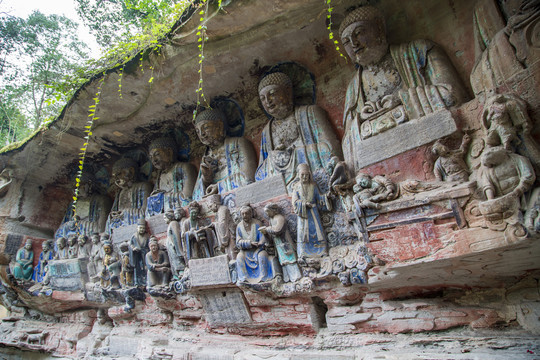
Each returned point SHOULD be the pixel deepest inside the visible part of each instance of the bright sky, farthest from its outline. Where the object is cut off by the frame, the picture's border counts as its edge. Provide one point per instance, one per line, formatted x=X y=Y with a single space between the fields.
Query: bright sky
x=22 y=8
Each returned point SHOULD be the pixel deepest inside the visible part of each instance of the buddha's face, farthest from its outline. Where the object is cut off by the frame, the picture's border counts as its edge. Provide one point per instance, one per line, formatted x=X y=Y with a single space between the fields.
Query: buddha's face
x=211 y=133
x=365 y=41
x=277 y=100
x=123 y=177
x=161 y=158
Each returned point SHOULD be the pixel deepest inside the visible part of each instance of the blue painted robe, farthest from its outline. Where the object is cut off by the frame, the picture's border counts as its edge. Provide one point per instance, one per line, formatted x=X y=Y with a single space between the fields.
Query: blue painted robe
x=253 y=264
x=311 y=239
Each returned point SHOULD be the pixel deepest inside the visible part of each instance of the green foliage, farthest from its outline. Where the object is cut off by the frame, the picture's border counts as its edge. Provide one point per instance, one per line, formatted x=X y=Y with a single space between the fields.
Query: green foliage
x=331 y=35
x=201 y=39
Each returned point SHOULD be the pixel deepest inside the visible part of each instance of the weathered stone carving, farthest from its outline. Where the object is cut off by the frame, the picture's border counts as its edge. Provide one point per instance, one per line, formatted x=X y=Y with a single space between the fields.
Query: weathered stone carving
x=224 y=227
x=369 y=190
x=294 y=135
x=504 y=177
x=130 y=202
x=138 y=247
x=409 y=81
x=95 y=261
x=157 y=263
x=307 y=201
x=93 y=208
x=450 y=165
x=198 y=238
x=6 y=179
x=61 y=249
x=349 y=263
x=174 y=180
x=83 y=246
x=253 y=263
x=23 y=266
x=508 y=124
x=279 y=233
x=228 y=163
x=111 y=267
x=174 y=243
x=46 y=255
x=126 y=274
x=73 y=247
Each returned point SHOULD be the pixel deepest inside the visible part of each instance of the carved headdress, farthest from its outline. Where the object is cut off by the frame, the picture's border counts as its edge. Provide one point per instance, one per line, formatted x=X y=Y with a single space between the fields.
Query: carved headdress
x=163 y=143
x=276 y=78
x=363 y=13
x=210 y=115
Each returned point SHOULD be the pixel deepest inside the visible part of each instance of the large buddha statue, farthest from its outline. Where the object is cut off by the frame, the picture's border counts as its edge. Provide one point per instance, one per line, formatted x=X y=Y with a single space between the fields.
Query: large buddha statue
x=130 y=202
x=174 y=181
x=392 y=85
x=294 y=134
x=92 y=210
x=228 y=163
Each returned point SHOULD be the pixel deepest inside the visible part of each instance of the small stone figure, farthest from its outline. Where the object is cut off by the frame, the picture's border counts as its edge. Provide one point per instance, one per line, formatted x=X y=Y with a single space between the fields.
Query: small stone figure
x=449 y=165
x=198 y=239
x=294 y=134
x=370 y=191
x=339 y=180
x=62 y=250
x=111 y=267
x=130 y=201
x=24 y=262
x=126 y=275
x=504 y=177
x=47 y=254
x=224 y=227
x=174 y=242
x=73 y=247
x=95 y=262
x=157 y=263
x=174 y=180
x=508 y=124
x=392 y=85
x=137 y=252
x=253 y=264
x=307 y=201
x=84 y=247
x=279 y=232
x=228 y=163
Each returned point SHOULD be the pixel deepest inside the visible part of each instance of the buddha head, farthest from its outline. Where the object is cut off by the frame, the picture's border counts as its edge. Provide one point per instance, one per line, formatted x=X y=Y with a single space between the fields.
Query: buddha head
x=210 y=125
x=162 y=152
x=363 y=35
x=124 y=172
x=276 y=94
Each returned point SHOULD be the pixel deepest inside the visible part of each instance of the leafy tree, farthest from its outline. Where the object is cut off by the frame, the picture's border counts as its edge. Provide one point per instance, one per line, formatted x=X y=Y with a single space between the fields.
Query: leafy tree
x=40 y=59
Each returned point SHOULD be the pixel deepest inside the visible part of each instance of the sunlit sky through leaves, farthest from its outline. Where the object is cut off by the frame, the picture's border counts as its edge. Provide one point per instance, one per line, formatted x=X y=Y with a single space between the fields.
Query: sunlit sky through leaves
x=22 y=8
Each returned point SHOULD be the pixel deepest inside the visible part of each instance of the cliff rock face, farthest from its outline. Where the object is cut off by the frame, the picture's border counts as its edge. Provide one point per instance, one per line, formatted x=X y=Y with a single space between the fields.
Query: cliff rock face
x=323 y=204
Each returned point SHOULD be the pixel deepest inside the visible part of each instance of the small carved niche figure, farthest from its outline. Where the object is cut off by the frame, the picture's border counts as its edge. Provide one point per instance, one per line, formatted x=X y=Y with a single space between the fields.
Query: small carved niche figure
x=339 y=180
x=47 y=254
x=111 y=267
x=508 y=124
x=224 y=227
x=23 y=267
x=449 y=165
x=198 y=239
x=138 y=247
x=73 y=247
x=253 y=264
x=307 y=201
x=174 y=242
x=279 y=232
x=95 y=262
x=84 y=247
x=370 y=191
x=157 y=263
x=61 y=249
x=126 y=275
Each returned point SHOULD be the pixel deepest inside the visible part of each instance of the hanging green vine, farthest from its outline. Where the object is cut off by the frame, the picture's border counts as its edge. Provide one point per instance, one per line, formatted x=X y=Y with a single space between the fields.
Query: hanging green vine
x=201 y=39
x=120 y=76
x=329 y=27
x=87 y=134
